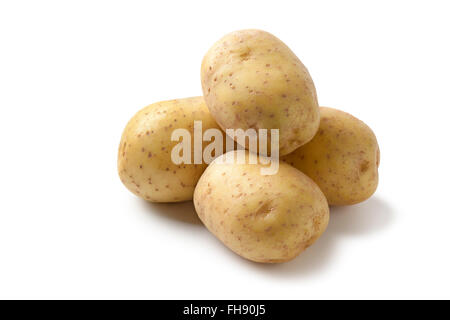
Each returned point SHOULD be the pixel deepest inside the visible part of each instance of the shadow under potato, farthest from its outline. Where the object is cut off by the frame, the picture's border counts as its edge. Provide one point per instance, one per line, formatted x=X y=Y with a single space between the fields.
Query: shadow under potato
x=363 y=218
x=180 y=211
x=357 y=220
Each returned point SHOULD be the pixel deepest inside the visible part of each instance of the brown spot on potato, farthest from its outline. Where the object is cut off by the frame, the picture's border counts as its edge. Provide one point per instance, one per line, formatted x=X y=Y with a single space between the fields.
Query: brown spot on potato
x=364 y=166
x=378 y=157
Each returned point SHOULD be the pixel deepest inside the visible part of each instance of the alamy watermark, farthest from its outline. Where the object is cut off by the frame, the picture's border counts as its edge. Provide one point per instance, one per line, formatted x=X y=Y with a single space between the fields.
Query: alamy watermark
x=256 y=142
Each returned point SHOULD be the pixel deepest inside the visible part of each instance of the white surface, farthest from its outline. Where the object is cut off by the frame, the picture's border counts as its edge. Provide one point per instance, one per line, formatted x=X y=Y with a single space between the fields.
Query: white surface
x=73 y=73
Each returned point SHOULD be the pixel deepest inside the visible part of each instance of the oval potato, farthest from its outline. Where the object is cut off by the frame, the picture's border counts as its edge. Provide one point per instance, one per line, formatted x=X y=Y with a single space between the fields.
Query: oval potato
x=251 y=79
x=343 y=158
x=270 y=218
x=144 y=161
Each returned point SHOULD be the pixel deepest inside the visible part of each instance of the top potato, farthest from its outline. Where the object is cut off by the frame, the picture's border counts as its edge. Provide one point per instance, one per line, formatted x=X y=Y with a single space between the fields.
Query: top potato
x=251 y=79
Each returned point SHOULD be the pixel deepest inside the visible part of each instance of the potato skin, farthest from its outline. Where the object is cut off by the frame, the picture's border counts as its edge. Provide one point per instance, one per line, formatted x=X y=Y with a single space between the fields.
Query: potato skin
x=267 y=219
x=343 y=158
x=144 y=161
x=251 y=79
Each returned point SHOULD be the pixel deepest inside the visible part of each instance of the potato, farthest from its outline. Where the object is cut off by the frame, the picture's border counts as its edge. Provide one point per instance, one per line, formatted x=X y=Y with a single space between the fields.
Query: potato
x=343 y=158
x=251 y=79
x=144 y=162
x=263 y=218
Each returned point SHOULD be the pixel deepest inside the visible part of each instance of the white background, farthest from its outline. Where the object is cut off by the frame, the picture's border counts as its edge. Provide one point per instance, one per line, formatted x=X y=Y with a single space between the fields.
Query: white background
x=72 y=73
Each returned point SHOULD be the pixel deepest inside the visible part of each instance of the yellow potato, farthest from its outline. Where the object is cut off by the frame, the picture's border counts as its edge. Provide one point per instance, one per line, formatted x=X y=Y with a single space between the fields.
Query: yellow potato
x=144 y=162
x=263 y=218
x=342 y=158
x=251 y=79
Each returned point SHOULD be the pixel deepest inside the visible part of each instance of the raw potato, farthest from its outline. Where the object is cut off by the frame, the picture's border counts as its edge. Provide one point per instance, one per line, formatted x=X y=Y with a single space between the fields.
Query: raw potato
x=342 y=158
x=144 y=161
x=251 y=79
x=270 y=218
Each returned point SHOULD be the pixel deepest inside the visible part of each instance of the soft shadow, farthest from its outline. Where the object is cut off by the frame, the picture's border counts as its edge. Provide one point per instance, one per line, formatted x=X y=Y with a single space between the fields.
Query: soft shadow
x=181 y=211
x=370 y=216
x=361 y=219
x=358 y=220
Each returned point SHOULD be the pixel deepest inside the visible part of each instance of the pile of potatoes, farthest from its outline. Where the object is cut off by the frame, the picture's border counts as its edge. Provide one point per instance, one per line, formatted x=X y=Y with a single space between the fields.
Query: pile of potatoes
x=250 y=79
